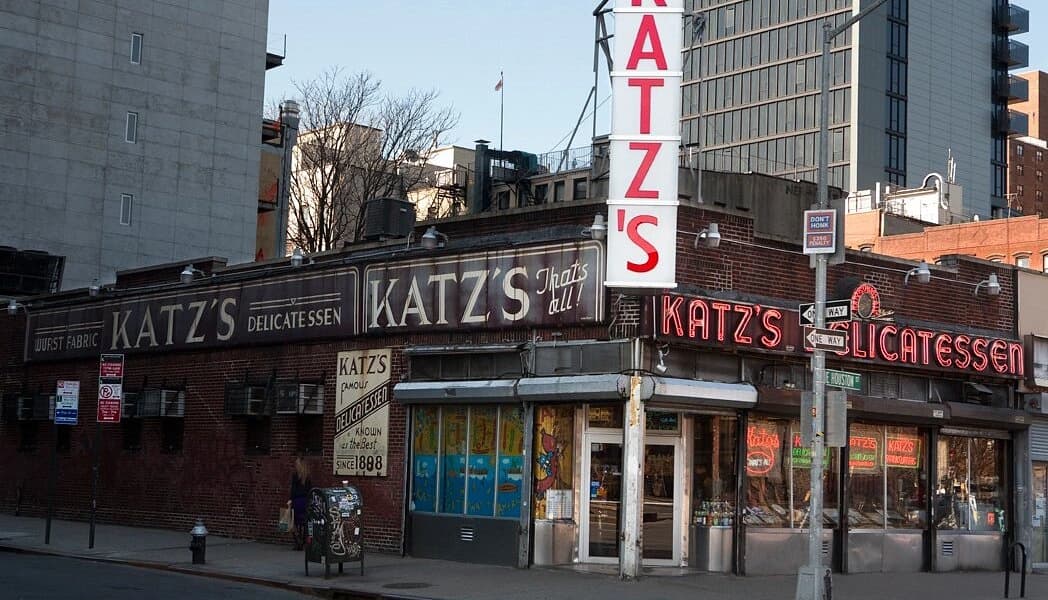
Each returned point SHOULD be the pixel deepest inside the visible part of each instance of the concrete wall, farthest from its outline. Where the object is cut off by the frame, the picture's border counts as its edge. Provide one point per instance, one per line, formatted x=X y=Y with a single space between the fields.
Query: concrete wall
x=948 y=104
x=66 y=86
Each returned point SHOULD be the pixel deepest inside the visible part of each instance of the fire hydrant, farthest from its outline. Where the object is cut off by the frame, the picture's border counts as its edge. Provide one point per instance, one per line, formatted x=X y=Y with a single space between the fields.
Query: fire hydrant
x=198 y=545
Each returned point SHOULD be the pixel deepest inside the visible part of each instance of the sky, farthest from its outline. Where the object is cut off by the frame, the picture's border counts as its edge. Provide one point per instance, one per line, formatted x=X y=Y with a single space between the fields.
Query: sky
x=459 y=47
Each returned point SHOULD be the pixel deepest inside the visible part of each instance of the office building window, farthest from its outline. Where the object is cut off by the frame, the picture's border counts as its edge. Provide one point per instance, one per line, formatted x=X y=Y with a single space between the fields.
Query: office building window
x=126 y=206
x=1018 y=149
x=1018 y=169
x=1019 y=190
x=136 y=48
x=1040 y=156
x=558 y=191
x=578 y=189
x=131 y=128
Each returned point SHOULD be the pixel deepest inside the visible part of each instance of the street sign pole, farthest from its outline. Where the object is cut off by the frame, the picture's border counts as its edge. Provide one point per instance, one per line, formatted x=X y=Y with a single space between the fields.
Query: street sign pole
x=94 y=483
x=52 y=478
x=812 y=579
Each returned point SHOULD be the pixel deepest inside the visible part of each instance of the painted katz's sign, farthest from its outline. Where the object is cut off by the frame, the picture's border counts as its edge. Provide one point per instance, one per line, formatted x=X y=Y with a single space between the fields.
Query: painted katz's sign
x=362 y=412
x=282 y=310
x=713 y=322
x=644 y=144
x=545 y=285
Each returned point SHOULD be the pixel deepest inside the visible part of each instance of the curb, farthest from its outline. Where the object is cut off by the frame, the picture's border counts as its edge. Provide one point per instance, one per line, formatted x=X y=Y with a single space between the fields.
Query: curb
x=329 y=592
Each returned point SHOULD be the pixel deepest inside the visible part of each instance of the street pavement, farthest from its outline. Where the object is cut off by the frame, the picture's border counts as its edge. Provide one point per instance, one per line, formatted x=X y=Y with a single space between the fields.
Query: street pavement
x=393 y=577
x=32 y=577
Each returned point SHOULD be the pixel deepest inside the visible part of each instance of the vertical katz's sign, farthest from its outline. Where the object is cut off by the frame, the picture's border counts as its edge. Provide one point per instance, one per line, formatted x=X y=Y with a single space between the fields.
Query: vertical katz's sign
x=362 y=413
x=645 y=137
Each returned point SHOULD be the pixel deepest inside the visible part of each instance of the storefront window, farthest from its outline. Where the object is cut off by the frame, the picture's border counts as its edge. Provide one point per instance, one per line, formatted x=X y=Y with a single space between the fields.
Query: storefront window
x=1039 y=554
x=714 y=478
x=467 y=460
x=970 y=492
x=554 y=461
x=511 y=462
x=778 y=468
x=886 y=475
x=453 y=492
x=608 y=416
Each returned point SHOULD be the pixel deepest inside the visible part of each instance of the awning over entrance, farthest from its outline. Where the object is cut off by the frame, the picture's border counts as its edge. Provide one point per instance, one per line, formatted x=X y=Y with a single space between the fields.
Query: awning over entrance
x=661 y=392
x=456 y=392
x=693 y=394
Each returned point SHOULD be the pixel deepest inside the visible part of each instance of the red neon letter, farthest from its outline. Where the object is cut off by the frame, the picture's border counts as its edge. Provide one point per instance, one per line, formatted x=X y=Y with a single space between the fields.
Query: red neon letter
x=645 y=84
x=960 y=345
x=650 y=149
x=744 y=321
x=979 y=351
x=647 y=30
x=722 y=308
x=771 y=320
x=1015 y=356
x=882 y=338
x=942 y=349
x=999 y=356
x=670 y=316
x=908 y=346
x=698 y=319
x=925 y=354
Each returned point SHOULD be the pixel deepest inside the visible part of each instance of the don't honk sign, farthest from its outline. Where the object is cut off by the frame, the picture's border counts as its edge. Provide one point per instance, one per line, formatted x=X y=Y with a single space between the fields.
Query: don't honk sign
x=645 y=137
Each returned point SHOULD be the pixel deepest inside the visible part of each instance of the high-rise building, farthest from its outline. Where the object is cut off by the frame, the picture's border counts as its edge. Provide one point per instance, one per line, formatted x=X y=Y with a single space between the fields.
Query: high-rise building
x=131 y=131
x=1027 y=154
x=910 y=84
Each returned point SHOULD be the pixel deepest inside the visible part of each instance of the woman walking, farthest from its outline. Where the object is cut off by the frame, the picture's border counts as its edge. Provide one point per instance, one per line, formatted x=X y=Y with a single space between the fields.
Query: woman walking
x=300 y=487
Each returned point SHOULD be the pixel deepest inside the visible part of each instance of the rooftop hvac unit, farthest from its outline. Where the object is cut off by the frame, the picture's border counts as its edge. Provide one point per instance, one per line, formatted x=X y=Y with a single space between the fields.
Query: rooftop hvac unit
x=388 y=218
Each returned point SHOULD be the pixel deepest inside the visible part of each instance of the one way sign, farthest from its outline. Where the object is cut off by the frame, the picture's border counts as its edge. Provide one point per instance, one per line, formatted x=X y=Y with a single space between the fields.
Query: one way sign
x=836 y=312
x=833 y=340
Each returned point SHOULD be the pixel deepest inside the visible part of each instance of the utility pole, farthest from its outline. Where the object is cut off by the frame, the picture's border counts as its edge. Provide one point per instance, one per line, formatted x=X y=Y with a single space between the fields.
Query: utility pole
x=812 y=579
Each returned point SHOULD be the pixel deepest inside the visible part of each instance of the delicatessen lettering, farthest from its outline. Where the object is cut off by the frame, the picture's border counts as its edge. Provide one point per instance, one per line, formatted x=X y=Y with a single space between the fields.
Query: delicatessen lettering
x=735 y=324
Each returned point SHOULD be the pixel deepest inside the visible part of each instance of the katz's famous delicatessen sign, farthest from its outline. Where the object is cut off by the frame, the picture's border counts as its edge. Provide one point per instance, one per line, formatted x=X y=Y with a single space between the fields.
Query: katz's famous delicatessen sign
x=551 y=284
x=738 y=325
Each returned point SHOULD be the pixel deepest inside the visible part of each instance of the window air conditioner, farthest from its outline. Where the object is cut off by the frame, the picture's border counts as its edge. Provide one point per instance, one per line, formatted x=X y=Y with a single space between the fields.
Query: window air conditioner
x=172 y=403
x=287 y=398
x=129 y=405
x=311 y=399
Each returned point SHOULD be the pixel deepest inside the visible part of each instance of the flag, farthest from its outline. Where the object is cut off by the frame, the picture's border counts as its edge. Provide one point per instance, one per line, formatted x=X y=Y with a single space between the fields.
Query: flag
x=498 y=86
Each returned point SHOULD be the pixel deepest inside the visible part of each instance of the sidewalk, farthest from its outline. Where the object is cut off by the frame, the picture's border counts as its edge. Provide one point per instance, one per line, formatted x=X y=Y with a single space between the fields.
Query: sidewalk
x=393 y=577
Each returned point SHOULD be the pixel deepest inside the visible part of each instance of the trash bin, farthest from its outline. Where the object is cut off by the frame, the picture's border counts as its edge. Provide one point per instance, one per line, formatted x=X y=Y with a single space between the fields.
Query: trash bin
x=335 y=528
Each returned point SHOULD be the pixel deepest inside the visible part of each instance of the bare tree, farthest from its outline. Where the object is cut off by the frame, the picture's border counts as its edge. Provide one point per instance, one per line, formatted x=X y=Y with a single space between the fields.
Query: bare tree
x=356 y=142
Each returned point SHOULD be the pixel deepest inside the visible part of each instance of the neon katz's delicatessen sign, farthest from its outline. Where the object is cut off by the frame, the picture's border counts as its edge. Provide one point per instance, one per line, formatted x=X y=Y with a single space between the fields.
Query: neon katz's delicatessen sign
x=724 y=323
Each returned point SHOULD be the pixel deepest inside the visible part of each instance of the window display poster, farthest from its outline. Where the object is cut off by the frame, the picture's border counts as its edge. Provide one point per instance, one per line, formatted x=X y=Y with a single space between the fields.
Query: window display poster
x=362 y=413
x=453 y=497
x=763 y=448
x=424 y=458
x=511 y=462
x=800 y=455
x=863 y=453
x=553 y=456
x=481 y=474
x=903 y=451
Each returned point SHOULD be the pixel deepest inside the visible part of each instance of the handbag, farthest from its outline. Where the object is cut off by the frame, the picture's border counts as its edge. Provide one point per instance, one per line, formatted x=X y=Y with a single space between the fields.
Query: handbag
x=287 y=517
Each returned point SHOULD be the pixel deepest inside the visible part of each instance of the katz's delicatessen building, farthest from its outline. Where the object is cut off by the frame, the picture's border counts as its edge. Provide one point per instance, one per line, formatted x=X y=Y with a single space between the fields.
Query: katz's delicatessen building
x=475 y=394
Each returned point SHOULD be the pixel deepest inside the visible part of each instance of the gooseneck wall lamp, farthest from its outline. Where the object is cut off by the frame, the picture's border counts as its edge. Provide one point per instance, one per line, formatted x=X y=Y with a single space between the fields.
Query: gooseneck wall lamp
x=599 y=229
x=993 y=287
x=709 y=236
x=433 y=239
x=921 y=272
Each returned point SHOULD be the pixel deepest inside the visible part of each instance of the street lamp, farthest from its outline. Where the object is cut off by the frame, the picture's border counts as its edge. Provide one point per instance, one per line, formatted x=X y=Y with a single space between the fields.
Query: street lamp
x=289 y=119
x=811 y=577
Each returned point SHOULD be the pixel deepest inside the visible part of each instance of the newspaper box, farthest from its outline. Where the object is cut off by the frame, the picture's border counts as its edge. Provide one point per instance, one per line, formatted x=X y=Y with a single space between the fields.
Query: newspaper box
x=334 y=528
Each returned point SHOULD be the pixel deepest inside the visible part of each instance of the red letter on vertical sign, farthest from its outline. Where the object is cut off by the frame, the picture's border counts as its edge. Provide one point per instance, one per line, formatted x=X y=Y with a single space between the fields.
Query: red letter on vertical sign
x=645 y=84
x=647 y=31
x=657 y=2
x=638 y=239
x=650 y=149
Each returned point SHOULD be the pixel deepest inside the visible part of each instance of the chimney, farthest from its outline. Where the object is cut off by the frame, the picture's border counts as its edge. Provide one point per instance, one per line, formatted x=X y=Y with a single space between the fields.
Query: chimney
x=479 y=198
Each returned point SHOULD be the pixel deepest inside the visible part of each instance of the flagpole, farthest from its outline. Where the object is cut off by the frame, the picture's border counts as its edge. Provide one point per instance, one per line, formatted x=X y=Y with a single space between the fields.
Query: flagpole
x=502 y=105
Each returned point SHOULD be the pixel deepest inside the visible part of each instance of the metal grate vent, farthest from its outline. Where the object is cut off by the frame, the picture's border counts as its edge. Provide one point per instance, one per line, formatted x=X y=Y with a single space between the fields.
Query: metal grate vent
x=466 y=534
x=947 y=548
x=825 y=547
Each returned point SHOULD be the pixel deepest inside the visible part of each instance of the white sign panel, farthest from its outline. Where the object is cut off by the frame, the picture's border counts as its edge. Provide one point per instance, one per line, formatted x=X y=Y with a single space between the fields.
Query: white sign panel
x=362 y=413
x=820 y=231
x=67 y=402
x=645 y=138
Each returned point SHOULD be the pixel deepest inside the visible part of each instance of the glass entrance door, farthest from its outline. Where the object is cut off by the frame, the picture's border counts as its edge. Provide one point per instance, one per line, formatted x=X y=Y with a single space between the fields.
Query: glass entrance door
x=661 y=533
x=604 y=464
